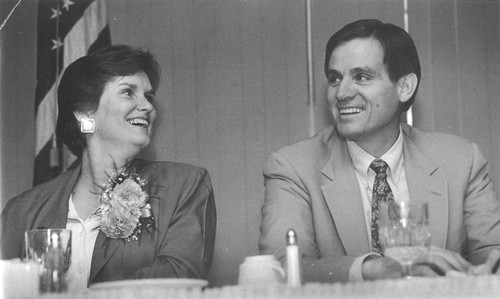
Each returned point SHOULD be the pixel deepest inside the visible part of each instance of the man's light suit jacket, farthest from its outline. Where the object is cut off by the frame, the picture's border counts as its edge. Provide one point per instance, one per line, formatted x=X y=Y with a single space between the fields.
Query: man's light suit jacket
x=182 y=202
x=311 y=186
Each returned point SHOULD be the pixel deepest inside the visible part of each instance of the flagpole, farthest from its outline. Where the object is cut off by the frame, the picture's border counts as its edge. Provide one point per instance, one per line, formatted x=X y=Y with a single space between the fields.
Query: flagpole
x=409 y=113
x=74 y=33
x=54 y=159
x=310 y=74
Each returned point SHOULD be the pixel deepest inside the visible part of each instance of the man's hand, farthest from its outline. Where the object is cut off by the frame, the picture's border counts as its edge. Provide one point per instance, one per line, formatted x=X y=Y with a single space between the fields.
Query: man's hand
x=439 y=261
x=493 y=261
x=381 y=267
x=436 y=262
x=490 y=266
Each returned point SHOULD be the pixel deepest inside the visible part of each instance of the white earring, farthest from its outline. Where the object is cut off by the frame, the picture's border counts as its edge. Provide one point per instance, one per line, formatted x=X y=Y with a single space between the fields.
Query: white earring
x=87 y=125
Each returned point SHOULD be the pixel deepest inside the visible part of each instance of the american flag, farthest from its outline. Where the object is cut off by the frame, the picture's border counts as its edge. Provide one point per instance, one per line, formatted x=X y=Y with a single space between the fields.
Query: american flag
x=67 y=30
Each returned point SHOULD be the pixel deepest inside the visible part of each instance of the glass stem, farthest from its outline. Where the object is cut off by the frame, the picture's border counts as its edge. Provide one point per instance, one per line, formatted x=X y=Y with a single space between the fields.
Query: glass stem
x=407 y=270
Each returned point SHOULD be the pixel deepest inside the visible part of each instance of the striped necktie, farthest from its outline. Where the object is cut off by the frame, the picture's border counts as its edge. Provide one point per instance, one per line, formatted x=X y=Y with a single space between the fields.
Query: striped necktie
x=381 y=193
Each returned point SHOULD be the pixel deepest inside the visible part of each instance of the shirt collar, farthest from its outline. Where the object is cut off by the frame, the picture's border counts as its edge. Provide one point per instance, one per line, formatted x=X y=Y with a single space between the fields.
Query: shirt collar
x=393 y=157
x=72 y=214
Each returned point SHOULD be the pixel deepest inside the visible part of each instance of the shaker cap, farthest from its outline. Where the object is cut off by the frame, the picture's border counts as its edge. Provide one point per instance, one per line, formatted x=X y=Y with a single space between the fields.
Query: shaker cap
x=291 y=237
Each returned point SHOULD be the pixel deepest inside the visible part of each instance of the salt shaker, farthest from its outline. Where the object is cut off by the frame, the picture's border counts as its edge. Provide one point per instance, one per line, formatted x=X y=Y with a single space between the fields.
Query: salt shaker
x=293 y=262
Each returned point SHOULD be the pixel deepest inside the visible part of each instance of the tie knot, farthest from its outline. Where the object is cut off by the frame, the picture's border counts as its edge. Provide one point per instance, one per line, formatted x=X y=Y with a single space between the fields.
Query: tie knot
x=379 y=166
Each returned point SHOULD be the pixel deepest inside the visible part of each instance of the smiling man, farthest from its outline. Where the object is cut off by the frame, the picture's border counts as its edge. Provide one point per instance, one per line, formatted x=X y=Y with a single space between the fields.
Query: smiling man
x=323 y=187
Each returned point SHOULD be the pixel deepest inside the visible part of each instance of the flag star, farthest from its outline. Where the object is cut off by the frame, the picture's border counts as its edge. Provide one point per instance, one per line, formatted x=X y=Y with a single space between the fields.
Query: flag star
x=55 y=13
x=56 y=44
x=67 y=3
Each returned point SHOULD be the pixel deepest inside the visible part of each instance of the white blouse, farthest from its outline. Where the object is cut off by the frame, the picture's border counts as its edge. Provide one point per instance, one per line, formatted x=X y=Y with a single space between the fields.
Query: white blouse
x=83 y=237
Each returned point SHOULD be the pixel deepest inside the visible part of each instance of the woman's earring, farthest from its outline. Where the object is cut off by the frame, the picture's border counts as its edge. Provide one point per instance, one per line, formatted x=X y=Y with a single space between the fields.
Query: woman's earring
x=87 y=125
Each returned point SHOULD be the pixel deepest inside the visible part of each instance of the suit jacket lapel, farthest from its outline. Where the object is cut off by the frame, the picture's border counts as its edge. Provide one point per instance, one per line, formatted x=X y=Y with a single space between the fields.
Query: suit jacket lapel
x=426 y=185
x=342 y=194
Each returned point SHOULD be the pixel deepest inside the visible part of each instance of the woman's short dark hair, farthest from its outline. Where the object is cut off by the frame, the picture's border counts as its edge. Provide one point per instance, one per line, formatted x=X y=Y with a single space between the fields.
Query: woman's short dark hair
x=83 y=82
x=400 y=52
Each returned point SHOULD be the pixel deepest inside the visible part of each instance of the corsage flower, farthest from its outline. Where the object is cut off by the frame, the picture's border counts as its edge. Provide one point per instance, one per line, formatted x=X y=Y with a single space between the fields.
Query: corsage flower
x=124 y=211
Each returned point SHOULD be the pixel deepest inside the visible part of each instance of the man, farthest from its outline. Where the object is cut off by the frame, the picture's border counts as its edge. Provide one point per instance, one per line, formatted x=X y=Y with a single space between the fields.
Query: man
x=322 y=187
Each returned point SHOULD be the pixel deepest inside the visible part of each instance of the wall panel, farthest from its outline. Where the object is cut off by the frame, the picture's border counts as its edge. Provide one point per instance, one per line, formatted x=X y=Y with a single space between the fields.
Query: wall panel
x=458 y=44
x=17 y=94
x=420 y=28
x=493 y=57
x=230 y=171
x=473 y=72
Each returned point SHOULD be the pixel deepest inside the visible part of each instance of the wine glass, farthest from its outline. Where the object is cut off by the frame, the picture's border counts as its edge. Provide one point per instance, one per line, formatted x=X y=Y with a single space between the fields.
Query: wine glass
x=51 y=249
x=404 y=232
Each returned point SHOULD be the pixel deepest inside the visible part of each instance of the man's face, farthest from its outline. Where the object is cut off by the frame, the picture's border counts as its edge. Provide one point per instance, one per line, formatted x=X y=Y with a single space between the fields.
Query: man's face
x=364 y=102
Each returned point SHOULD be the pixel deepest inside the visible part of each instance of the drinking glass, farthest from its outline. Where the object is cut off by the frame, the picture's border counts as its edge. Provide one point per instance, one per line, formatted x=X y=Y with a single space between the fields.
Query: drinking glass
x=51 y=249
x=404 y=232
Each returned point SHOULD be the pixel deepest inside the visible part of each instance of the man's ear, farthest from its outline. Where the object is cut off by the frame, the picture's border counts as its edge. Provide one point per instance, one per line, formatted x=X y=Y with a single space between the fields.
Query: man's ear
x=407 y=86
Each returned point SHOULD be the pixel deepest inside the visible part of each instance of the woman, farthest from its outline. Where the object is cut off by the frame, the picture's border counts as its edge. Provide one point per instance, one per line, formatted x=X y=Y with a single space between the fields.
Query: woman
x=130 y=218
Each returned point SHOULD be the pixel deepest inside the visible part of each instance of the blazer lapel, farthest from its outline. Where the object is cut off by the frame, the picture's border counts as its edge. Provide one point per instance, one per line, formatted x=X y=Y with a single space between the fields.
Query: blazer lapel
x=426 y=185
x=104 y=248
x=57 y=200
x=342 y=194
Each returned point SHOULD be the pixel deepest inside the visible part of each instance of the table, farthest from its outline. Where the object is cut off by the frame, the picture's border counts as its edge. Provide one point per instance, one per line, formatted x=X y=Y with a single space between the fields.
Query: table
x=439 y=287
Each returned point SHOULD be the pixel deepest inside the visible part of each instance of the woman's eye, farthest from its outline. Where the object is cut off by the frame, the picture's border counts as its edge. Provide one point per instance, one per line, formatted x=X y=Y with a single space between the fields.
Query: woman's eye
x=127 y=92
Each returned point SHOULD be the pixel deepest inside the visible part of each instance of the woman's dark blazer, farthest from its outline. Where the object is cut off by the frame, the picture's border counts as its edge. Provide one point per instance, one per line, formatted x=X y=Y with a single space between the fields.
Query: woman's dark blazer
x=182 y=202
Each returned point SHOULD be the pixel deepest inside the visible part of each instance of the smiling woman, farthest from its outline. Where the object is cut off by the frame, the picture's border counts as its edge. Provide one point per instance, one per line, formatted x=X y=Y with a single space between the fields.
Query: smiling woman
x=125 y=115
x=130 y=218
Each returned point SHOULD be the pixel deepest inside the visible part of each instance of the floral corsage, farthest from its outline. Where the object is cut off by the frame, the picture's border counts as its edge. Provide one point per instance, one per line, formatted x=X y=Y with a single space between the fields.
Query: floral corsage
x=124 y=210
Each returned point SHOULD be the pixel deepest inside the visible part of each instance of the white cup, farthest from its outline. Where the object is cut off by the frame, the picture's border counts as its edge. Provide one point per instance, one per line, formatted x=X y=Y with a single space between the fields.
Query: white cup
x=261 y=270
x=19 y=279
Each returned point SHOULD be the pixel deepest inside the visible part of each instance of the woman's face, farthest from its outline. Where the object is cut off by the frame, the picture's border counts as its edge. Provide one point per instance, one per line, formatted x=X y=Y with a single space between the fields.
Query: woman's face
x=125 y=114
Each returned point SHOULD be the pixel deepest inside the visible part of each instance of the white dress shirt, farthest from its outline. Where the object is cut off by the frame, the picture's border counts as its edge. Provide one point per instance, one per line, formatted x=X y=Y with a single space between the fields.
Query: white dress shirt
x=83 y=237
x=396 y=177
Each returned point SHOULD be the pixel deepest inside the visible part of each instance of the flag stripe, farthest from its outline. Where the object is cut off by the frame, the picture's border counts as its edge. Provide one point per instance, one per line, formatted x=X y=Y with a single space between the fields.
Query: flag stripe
x=82 y=26
x=73 y=49
x=43 y=170
x=46 y=118
x=103 y=40
x=46 y=59
x=47 y=24
x=85 y=32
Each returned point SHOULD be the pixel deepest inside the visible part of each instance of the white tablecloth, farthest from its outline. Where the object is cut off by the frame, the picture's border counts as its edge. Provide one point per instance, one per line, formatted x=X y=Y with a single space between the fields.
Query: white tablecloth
x=441 y=287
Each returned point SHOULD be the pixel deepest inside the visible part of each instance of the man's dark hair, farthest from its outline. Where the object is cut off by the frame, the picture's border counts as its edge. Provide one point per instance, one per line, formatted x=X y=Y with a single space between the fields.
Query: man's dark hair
x=83 y=82
x=400 y=53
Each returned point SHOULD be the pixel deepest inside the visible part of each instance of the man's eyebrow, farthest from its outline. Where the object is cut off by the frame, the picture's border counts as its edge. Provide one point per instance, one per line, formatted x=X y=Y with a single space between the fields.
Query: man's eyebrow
x=365 y=69
x=332 y=72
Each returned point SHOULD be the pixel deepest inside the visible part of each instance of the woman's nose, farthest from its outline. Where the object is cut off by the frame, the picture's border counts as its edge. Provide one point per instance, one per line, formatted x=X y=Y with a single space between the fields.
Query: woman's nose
x=145 y=104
